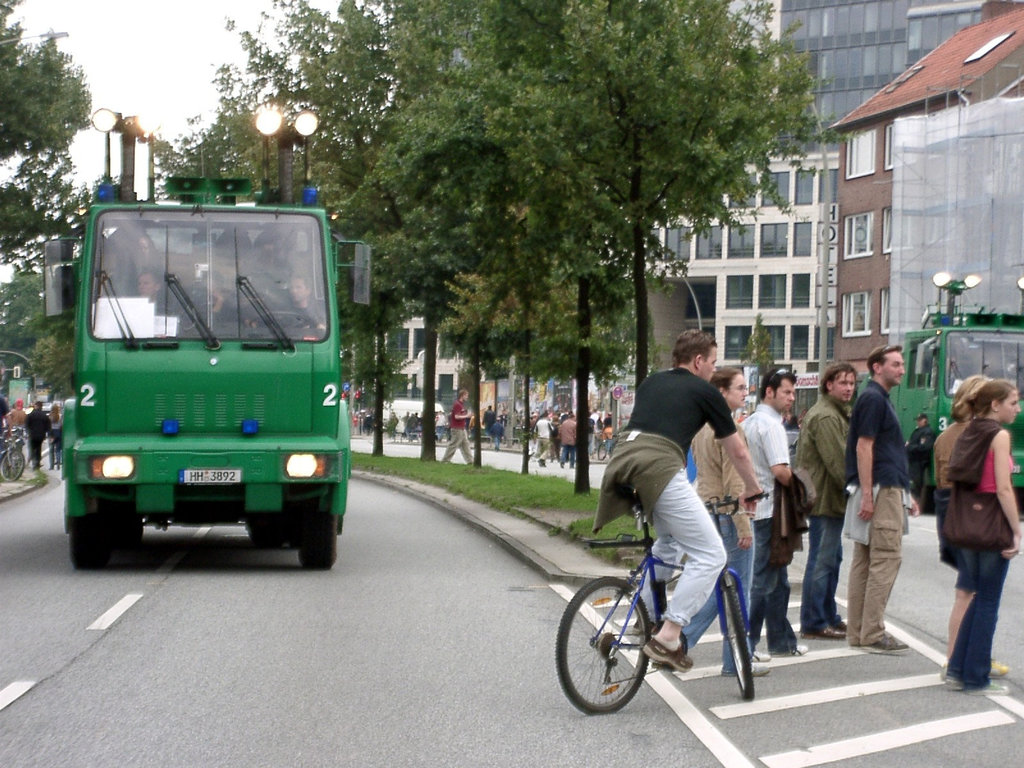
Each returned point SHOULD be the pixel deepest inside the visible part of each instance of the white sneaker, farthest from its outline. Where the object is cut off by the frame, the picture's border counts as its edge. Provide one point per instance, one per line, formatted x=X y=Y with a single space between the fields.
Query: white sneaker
x=762 y=656
x=756 y=670
x=800 y=650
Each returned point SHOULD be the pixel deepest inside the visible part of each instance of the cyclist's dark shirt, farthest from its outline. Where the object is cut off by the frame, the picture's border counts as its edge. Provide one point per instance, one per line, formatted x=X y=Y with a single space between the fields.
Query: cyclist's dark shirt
x=676 y=404
x=4 y=408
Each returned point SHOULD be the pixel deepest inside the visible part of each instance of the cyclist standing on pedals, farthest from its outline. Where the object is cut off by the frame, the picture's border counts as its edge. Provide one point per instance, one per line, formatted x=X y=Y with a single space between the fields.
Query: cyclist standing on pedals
x=670 y=408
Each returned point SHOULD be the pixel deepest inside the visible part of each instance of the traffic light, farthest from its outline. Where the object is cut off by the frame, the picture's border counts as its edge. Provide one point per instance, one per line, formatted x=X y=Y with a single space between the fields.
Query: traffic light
x=17 y=372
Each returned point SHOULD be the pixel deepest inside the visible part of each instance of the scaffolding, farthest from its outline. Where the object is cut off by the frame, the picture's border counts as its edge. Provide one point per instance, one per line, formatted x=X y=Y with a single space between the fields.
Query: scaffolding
x=957 y=206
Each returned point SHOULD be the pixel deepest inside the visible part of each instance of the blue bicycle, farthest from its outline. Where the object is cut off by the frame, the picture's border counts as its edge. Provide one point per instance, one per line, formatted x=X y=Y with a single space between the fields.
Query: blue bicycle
x=598 y=649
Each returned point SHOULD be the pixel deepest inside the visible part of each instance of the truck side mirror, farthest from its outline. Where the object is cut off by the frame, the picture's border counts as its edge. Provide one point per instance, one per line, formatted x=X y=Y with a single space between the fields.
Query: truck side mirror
x=59 y=275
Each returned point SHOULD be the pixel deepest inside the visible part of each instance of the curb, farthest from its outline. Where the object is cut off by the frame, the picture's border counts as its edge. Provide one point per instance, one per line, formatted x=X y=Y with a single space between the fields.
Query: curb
x=530 y=540
x=7 y=493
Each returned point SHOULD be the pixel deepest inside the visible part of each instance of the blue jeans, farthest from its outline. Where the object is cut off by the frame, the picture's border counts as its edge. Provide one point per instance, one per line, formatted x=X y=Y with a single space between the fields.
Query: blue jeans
x=769 y=596
x=741 y=561
x=972 y=654
x=821 y=577
x=569 y=454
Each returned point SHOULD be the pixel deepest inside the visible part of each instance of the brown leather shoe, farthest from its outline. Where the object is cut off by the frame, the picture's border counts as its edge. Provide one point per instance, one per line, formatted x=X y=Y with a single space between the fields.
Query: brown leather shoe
x=828 y=633
x=677 y=659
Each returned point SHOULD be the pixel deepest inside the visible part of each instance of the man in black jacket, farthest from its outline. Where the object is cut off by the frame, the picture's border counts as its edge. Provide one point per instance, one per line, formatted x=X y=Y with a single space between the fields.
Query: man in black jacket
x=37 y=424
x=919 y=454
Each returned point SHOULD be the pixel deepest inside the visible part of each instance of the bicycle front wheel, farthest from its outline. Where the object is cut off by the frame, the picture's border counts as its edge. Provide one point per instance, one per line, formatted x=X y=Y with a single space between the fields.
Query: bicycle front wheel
x=736 y=635
x=597 y=652
x=12 y=465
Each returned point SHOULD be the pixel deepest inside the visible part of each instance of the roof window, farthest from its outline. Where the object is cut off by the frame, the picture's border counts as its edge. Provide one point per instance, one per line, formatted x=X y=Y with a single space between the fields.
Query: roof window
x=987 y=47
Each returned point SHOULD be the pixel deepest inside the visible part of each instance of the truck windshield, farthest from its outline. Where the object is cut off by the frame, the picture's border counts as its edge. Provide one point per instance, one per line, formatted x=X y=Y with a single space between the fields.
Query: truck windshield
x=992 y=354
x=138 y=255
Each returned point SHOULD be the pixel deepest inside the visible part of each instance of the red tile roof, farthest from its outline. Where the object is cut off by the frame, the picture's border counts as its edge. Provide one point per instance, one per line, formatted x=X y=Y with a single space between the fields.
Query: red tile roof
x=944 y=69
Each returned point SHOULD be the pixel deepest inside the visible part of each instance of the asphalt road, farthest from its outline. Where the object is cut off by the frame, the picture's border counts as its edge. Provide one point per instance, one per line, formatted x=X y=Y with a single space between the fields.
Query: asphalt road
x=429 y=644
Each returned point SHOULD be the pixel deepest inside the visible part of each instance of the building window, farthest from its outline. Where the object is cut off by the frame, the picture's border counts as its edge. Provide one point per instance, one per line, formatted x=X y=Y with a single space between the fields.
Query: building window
x=856 y=313
x=801 y=291
x=709 y=246
x=798 y=342
x=736 y=338
x=883 y=310
x=804 y=187
x=860 y=155
x=774 y=241
x=419 y=341
x=802 y=232
x=858 y=235
x=887 y=149
x=887 y=230
x=772 y=292
x=749 y=202
x=677 y=243
x=780 y=181
x=400 y=343
x=739 y=292
x=776 y=341
x=741 y=242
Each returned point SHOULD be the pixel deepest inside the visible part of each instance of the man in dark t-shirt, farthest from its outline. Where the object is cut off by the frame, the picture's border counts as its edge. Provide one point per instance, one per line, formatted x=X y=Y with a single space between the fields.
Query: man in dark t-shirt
x=675 y=404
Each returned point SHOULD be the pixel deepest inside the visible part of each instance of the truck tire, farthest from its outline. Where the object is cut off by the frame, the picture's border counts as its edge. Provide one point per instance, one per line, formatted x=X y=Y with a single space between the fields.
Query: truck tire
x=89 y=541
x=319 y=546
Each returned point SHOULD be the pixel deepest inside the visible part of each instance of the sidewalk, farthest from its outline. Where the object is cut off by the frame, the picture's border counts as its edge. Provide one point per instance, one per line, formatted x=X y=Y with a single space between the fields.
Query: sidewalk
x=12 y=489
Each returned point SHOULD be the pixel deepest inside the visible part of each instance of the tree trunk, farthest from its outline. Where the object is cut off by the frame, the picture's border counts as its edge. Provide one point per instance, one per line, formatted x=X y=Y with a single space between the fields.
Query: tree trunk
x=582 y=385
x=474 y=398
x=527 y=427
x=640 y=300
x=379 y=350
x=428 y=417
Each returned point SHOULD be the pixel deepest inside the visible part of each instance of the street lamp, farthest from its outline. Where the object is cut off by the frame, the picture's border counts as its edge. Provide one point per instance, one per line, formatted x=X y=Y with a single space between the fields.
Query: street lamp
x=270 y=122
x=106 y=120
x=944 y=282
x=1020 y=286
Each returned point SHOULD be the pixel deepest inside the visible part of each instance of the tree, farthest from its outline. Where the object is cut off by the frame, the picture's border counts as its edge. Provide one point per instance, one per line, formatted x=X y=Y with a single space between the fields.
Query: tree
x=45 y=103
x=647 y=113
x=759 y=347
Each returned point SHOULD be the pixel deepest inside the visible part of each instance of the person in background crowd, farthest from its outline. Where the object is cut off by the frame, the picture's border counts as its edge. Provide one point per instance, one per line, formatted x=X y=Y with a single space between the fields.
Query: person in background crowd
x=459 y=423
x=16 y=418
x=543 y=430
x=821 y=451
x=985 y=571
x=919 y=455
x=37 y=424
x=567 y=439
x=56 y=437
x=876 y=461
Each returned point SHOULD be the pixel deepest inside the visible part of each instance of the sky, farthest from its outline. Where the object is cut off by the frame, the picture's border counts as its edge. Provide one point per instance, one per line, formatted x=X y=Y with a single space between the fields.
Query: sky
x=145 y=59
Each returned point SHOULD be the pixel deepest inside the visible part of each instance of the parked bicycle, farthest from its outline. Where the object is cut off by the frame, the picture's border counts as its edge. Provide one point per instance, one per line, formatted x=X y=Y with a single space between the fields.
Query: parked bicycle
x=606 y=624
x=12 y=454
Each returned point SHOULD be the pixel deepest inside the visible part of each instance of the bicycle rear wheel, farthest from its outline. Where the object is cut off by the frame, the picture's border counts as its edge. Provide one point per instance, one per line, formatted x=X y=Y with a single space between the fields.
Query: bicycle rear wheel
x=736 y=634
x=600 y=666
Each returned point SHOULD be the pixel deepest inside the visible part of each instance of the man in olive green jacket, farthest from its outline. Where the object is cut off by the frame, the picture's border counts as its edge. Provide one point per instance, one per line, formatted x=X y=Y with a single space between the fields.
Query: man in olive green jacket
x=821 y=450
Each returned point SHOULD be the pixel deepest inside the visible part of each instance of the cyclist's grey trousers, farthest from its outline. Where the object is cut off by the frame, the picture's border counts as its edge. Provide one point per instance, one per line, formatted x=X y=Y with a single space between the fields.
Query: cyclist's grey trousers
x=685 y=528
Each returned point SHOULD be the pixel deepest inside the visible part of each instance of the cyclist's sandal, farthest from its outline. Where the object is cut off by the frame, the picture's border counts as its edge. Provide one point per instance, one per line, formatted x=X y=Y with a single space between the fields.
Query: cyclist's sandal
x=677 y=659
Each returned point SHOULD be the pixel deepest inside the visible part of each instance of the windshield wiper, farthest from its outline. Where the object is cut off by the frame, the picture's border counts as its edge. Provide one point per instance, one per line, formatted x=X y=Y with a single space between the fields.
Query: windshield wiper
x=123 y=326
x=245 y=287
x=190 y=309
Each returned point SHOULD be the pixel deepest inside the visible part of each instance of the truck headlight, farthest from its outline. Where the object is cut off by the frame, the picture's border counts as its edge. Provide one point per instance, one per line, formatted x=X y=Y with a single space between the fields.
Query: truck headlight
x=305 y=465
x=111 y=467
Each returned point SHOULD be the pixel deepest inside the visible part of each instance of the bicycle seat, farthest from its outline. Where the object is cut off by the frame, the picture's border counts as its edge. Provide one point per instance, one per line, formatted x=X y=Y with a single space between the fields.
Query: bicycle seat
x=627 y=492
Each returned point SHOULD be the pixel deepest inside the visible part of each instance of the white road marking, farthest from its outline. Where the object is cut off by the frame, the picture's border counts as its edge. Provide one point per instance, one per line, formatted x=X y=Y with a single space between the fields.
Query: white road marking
x=886 y=740
x=811 y=698
x=14 y=691
x=115 y=612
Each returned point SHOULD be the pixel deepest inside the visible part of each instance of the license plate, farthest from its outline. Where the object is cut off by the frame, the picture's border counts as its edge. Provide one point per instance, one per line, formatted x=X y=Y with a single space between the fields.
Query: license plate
x=209 y=476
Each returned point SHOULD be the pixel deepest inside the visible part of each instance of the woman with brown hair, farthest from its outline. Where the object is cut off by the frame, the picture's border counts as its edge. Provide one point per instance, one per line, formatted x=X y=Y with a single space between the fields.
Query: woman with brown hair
x=983 y=571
